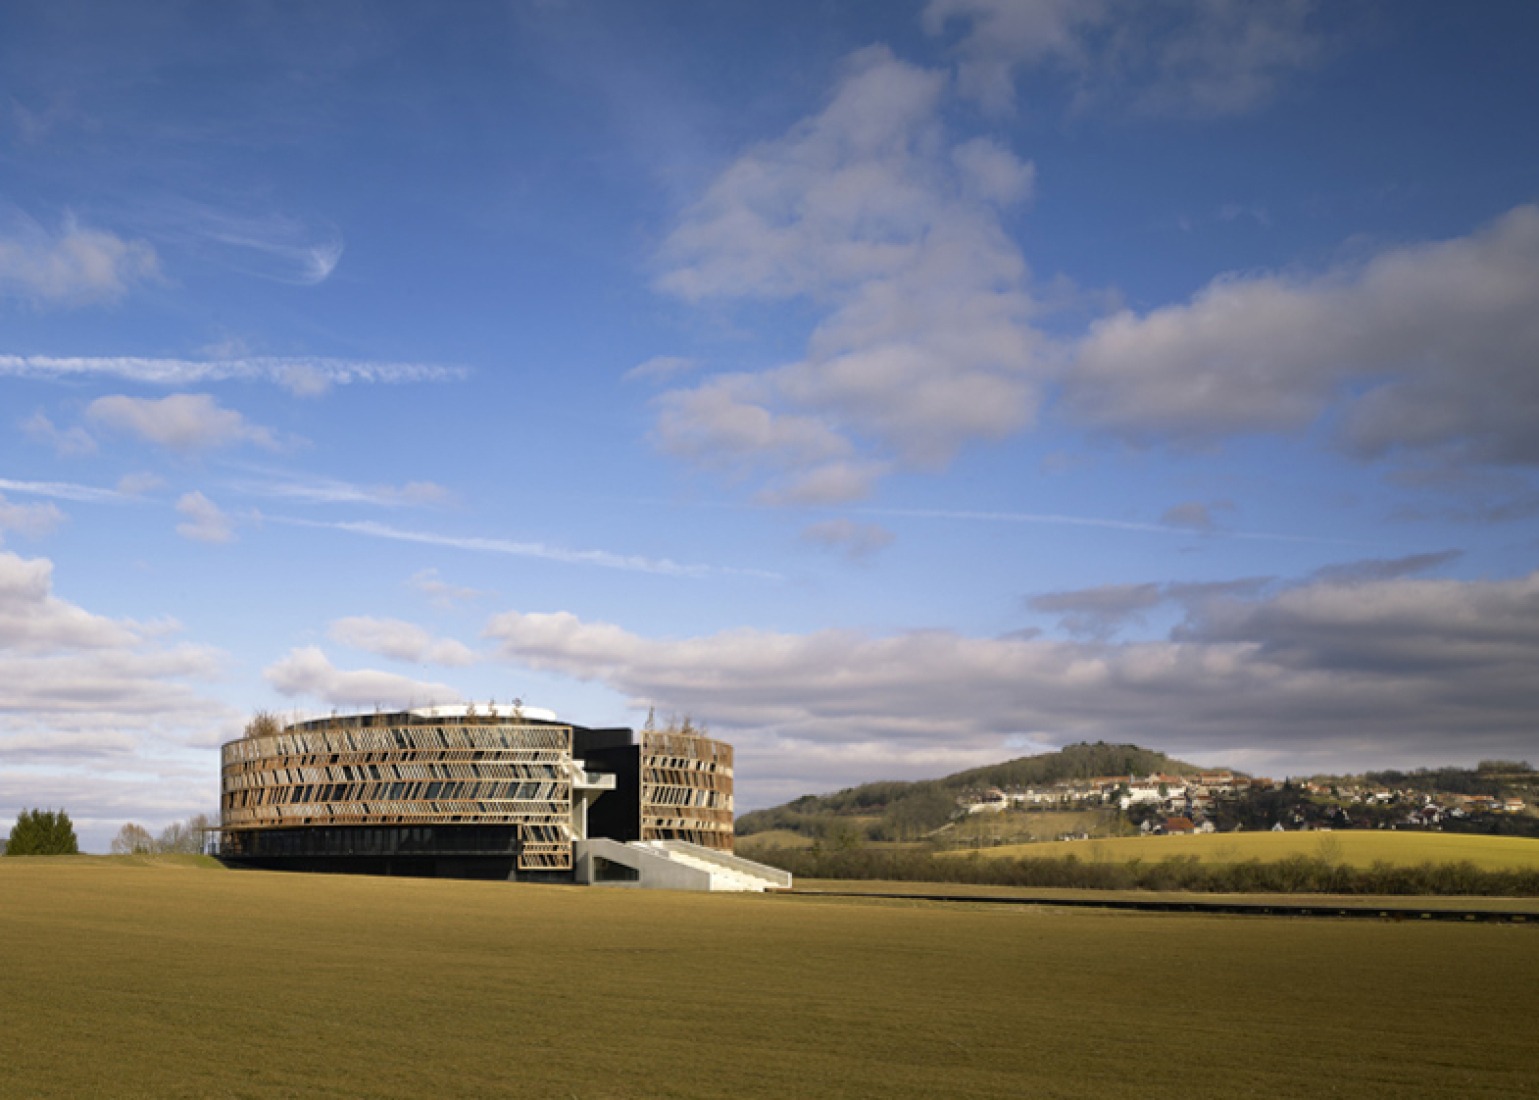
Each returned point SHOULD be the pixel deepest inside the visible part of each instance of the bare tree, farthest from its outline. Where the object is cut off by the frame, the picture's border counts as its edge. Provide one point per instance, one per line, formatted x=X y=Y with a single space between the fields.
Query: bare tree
x=264 y=723
x=133 y=840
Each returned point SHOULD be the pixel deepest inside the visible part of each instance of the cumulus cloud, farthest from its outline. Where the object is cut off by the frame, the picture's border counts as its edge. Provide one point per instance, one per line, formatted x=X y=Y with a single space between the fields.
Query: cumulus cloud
x=205 y=521
x=855 y=540
x=183 y=421
x=307 y=672
x=33 y=621
x=1398 y=671
x=1425 y=348
x=892 y=232
x=400 y=641
x=66 y=442
x=33 y=520
x=1192 y=57
x=75 y=266
x=80 y=685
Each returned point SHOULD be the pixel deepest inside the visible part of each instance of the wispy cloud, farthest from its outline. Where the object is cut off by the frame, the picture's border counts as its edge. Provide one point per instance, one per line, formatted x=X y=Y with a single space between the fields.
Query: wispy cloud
x=439 y=591
x=260 y=242
x=602 y=558
x=1060 y=520
x=660 y=366
x=326 y=490
x=63 y=490
x=305 y=375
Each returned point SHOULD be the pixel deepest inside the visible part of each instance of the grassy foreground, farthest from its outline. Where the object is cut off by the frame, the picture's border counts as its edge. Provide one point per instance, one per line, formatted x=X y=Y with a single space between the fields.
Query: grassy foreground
x=165 y=980
x=1353 y=847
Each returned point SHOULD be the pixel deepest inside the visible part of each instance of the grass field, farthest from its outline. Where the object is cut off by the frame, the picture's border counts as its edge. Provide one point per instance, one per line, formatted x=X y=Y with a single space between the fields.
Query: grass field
x=1359 y=848
x=170 y=980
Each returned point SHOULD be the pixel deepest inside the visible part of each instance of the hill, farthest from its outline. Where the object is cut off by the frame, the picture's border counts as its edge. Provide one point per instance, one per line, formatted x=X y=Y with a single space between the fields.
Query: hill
x=899 y=810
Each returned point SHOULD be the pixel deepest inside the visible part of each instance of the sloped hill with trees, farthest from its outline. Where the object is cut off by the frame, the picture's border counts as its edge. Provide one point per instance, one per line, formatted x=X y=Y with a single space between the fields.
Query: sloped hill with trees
x=909 y=809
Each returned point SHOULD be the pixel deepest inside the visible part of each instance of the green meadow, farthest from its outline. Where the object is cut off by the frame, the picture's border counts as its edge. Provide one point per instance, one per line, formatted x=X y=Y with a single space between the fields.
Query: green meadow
x=1357 y=848
x=173 y=979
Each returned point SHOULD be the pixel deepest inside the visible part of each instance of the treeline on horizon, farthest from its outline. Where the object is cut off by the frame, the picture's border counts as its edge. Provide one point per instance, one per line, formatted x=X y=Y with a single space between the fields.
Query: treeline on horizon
x=910 y=809
x=1296 y=874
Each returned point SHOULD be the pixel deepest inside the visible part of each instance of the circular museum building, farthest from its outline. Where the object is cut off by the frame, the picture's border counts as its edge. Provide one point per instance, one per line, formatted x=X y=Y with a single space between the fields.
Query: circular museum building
x=500 y=792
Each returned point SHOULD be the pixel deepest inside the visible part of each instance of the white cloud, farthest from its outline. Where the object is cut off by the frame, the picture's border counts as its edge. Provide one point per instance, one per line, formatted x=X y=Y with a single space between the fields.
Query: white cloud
x=307 y=672
x=66 y=442
x=205 y=521
x=33 y=520
x=869 y=213
x=33 y=621
x=94 y=696
x=1426 y=347
x=1191 y=57
x=1395 y=671
x=304 y=375
x=183 y=421
x=75 y=266
x=400 y=641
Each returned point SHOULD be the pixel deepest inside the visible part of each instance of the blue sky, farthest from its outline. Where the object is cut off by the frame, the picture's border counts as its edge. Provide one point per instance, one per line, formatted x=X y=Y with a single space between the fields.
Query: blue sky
x=891 y=387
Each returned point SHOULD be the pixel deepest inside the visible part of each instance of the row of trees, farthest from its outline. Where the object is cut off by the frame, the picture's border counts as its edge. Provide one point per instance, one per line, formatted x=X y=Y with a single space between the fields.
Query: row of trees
x=52 y=833
x=184 y=837
x=42 y=833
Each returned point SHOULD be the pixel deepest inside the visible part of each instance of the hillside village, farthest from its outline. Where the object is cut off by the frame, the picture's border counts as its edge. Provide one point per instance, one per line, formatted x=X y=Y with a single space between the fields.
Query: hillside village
x=1106 y=789
x=1210 y=801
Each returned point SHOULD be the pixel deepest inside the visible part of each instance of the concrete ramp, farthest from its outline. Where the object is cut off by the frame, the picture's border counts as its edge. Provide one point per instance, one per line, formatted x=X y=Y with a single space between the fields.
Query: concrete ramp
x=670 y=865
x=602 y=862
x=727 y=871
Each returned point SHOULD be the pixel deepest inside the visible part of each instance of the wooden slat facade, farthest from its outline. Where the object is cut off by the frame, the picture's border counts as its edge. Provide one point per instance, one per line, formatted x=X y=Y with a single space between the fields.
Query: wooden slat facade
x=686 y=789
x=448 y=773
